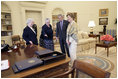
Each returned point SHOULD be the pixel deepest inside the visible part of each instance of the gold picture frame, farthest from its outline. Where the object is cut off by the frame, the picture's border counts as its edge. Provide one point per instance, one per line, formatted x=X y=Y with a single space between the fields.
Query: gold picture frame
x=103 y=12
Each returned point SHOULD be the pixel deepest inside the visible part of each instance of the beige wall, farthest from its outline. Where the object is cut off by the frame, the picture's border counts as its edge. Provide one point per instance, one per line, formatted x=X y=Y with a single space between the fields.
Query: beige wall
x=18 y=10
x=18 y=15
x=87 y=10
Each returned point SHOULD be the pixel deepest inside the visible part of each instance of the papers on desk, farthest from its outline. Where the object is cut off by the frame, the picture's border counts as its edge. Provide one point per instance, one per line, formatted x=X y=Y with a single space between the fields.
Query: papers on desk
x=4 y=64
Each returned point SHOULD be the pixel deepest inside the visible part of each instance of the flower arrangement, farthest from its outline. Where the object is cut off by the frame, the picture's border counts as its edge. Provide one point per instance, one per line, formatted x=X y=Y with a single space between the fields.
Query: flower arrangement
x=107 y=38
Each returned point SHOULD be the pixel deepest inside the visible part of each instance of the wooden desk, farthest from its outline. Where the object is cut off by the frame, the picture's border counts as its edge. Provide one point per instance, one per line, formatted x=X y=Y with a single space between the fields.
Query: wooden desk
x=101 y=44
x=44 y=71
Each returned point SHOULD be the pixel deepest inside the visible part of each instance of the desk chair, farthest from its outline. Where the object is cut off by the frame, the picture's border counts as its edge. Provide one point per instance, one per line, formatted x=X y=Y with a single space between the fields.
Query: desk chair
x=86 y=68
x=16 y=40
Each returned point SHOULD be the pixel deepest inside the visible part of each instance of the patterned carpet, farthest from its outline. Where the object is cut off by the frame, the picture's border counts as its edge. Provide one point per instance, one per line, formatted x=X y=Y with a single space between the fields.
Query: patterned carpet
x=107 y=63
x=98 y=61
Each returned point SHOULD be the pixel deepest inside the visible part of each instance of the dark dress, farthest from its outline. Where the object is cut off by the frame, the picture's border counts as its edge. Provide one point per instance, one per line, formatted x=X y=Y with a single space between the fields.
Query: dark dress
x=47 y=42
x=29 y=35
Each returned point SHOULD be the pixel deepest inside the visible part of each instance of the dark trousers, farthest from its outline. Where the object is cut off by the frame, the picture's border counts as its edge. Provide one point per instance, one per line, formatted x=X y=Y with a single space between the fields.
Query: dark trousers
x=64 y=45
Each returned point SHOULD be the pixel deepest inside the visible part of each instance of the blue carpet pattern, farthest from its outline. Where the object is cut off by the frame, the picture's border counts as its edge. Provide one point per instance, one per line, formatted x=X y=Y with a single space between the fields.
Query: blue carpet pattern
x=98 y=61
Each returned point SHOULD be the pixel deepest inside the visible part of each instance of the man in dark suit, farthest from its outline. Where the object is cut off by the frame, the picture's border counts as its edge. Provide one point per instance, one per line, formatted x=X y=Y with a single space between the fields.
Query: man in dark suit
x=29 y=35
x=61 y=33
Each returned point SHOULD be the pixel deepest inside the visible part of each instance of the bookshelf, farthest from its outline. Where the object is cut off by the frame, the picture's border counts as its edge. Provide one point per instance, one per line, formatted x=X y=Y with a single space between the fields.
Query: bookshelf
x=6 y=24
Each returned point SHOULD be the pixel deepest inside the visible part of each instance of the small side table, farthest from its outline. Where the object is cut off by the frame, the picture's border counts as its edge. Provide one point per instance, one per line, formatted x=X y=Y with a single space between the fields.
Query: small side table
x=101 y=44
x=95 y=36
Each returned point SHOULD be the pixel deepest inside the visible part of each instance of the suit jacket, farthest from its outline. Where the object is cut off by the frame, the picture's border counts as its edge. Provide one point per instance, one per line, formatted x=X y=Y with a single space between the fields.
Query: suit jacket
x=29 y=35
x=61 y=33
x=72 y=31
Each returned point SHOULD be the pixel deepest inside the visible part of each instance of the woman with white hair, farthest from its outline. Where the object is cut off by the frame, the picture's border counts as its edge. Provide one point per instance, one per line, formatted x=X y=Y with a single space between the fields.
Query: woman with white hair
x=29 y=35
x=46 y=37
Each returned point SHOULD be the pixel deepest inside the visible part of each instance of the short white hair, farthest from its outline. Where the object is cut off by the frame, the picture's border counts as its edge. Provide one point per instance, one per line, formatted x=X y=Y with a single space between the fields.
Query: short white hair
x=46 y=20
x=29 y=20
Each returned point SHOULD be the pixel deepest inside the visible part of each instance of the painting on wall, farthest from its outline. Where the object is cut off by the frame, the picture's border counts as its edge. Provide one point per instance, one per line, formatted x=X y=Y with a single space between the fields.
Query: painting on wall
x=103 y=21
x=75 y=15
x=103 y=12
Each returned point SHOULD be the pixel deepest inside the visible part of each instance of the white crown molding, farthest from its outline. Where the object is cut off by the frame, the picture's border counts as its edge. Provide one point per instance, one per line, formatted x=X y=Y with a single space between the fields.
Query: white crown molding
x=41 y=4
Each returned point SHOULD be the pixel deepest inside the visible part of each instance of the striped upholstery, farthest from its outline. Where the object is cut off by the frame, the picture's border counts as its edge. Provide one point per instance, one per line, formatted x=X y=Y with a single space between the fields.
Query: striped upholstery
x=111 y=32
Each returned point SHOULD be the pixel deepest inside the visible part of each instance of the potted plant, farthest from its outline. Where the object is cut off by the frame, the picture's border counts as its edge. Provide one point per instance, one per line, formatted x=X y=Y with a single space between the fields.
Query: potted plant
x=107 y=38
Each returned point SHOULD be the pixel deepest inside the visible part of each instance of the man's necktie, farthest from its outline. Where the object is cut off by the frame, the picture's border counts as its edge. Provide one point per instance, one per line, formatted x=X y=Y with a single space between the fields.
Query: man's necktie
x=61 y=25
